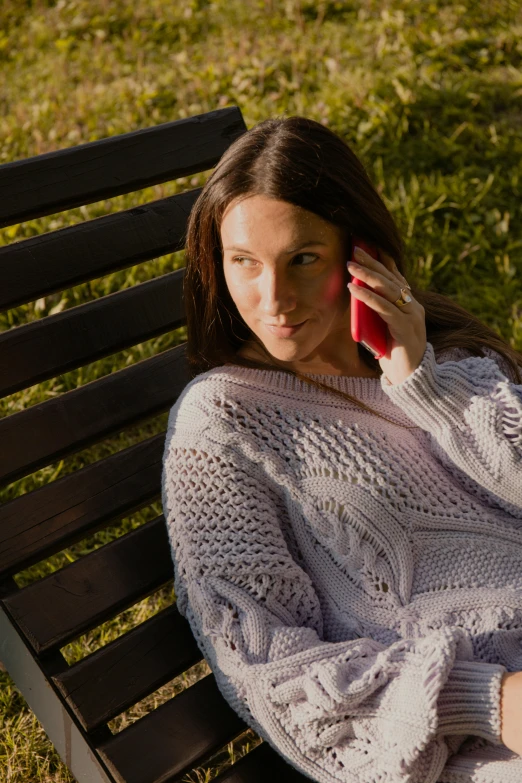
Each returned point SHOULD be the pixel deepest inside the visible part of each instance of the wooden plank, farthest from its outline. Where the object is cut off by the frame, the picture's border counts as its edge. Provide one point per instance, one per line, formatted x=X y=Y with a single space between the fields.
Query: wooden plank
x=67 y=178
x=57 y=260
x=66 y=604
x=175 y=737
x=36 y=525
x=262 y=764
x=109 y=681
x=58 y=343
x=84 y=416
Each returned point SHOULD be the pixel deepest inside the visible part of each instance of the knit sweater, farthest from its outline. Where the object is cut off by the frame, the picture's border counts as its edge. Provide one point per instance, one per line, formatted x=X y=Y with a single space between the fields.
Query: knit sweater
x=356 y=587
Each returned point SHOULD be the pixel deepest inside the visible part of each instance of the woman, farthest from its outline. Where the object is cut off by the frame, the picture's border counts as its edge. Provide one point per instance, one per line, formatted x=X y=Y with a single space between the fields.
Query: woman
x=346 y=532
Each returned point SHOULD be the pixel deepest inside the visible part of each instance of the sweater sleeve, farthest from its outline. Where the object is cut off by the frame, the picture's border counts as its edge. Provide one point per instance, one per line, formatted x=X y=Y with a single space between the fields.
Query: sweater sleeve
x=475 y=415
x=354 y=710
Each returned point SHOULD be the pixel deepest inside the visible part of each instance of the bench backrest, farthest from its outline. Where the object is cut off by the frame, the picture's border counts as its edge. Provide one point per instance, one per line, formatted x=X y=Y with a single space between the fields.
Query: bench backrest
x=75 y=702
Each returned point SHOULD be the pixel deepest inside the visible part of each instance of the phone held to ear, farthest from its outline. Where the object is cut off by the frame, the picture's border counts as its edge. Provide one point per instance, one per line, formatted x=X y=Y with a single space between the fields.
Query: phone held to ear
x=367 y=326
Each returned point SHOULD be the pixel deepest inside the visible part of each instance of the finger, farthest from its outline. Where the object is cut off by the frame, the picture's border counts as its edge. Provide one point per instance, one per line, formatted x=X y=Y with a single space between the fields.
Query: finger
x=386 y=309
x=385 y=266
x=382 y=279
x=389 y=262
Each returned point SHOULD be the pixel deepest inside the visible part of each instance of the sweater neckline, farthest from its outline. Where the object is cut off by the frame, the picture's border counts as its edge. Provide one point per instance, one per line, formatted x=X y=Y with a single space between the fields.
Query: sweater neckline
x=367 y=389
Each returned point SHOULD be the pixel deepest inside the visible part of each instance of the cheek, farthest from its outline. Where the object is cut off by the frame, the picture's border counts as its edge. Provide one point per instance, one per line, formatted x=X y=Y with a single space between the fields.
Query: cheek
x=235 y=290
x=334 y=287
x=241 y=294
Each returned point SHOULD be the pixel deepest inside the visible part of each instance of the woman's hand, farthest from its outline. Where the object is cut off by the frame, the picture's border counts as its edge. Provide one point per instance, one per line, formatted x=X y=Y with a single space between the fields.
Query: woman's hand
x=406 y=325
x=511 y=711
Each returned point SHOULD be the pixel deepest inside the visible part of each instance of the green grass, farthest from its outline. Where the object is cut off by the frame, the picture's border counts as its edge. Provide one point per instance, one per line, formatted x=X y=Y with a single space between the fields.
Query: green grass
x=428 y=94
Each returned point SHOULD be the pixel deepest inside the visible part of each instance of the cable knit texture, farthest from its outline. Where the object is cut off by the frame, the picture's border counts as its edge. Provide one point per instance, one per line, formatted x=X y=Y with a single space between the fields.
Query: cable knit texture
x=356 y=587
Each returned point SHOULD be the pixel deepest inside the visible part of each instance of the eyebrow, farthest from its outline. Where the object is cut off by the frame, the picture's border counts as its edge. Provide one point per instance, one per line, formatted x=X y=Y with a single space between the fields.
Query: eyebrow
x=308 y=243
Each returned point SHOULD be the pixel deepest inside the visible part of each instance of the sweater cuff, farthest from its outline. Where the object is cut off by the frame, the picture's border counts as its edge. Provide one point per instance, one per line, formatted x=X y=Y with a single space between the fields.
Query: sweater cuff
x=434 y=395
x=469 y=702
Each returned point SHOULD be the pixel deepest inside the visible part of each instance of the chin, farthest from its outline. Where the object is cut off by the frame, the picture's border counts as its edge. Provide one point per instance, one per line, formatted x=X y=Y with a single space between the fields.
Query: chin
x=283 y=354
x=289 y=353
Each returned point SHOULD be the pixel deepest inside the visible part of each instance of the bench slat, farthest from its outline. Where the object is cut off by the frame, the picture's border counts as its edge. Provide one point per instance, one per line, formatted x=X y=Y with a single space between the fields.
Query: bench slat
x=175 y=737
x=260 y=765
x=84 y=416
x=58 y=343
x=112 y=679
x=190 y=728
x=60 y=259
x=98 y=586
x=36 y=525
x=67 y=178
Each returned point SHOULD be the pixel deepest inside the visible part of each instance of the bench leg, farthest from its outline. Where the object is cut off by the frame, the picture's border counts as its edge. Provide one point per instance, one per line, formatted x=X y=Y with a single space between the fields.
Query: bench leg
x=63 y=732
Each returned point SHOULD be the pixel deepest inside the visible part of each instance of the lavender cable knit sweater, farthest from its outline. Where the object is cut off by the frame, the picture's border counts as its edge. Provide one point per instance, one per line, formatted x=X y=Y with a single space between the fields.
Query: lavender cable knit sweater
x=356 y=587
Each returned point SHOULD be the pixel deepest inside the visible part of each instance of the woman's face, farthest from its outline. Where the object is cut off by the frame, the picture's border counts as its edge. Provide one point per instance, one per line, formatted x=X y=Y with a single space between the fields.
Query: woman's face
x=284 y=265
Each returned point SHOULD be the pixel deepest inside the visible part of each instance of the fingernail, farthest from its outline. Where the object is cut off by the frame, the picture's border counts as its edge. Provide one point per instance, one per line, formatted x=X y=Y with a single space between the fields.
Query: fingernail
x=358 y=252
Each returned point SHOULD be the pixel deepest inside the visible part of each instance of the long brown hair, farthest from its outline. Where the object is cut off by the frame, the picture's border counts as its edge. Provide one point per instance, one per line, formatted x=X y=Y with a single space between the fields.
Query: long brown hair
x=300 y=161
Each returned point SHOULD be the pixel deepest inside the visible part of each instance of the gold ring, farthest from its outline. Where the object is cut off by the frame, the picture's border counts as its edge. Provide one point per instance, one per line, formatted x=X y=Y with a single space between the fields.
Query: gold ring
x=404 y=297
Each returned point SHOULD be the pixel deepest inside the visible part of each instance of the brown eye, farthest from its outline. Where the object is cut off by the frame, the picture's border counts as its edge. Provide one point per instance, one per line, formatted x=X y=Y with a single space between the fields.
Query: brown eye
x=305 y=255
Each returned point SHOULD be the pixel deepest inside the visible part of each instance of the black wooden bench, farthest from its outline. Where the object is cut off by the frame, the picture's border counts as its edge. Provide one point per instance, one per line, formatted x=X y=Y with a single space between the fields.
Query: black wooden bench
x=75 y=703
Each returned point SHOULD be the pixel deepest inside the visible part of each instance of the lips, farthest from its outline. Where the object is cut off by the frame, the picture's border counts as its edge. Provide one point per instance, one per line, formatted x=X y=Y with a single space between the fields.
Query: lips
x=284 y=331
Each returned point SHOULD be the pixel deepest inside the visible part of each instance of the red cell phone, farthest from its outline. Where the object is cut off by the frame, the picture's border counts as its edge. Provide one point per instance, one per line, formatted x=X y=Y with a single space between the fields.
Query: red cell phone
x=367 y=326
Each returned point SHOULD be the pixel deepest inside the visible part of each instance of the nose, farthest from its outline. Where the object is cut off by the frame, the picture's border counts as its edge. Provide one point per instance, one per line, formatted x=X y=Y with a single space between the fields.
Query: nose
x=277 y=293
